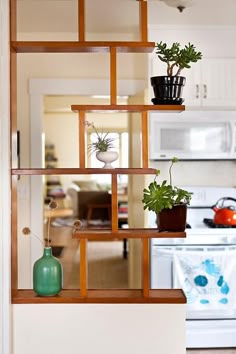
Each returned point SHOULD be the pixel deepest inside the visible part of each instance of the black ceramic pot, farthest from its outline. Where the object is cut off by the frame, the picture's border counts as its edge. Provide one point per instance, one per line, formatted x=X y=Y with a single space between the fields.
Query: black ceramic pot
x=168 y=89
x=172 y=219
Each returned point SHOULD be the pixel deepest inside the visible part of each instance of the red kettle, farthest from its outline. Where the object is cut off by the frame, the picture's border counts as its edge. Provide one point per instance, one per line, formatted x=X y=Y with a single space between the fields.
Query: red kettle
x=225 y=214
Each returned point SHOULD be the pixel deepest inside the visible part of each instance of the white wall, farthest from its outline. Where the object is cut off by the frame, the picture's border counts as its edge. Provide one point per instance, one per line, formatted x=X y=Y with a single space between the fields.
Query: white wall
x=99 y=328
x=199 y=173
x=206 y=38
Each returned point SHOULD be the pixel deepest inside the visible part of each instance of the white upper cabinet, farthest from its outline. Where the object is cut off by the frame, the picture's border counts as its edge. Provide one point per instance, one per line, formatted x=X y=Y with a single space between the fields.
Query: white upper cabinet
x=211 y=83
x=193 y=89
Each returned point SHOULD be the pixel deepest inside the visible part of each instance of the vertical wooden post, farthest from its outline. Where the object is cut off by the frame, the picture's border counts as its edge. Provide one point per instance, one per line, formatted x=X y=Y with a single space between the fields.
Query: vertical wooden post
x=113 y=74
x=83 y=268
x=144 y=126
x=14 y=253
x=81 y=139
x=81 y=18
x=13 y=120
x=114 y=203
x=143 y=20
x=145 y=267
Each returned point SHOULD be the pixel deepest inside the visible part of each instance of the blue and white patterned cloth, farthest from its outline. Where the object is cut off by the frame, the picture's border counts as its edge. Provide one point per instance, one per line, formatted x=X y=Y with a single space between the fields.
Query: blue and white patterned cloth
x=208 y=278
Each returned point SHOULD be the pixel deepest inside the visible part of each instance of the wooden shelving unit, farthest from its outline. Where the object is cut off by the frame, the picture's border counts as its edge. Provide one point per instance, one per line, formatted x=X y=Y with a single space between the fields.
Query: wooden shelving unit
x=109 y=234
x=128 y=108
x=81 y=47
x=110 y=296
x=83 y=294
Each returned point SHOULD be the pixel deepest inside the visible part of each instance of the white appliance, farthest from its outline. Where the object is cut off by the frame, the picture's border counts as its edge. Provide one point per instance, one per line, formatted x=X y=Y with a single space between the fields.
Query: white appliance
x=204 y=266
x=193 y=135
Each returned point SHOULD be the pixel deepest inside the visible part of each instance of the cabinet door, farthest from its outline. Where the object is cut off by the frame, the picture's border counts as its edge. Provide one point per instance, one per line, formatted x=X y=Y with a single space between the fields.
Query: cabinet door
x=218 y=82
x=192 y=92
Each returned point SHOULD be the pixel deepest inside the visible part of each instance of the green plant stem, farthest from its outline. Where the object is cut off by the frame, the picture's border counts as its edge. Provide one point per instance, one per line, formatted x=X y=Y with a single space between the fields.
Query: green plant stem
x=93 y=126
x=170 y=172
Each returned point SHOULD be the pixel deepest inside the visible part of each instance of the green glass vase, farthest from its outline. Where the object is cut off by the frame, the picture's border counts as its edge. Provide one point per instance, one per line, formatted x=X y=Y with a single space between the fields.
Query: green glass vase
x=47 y=274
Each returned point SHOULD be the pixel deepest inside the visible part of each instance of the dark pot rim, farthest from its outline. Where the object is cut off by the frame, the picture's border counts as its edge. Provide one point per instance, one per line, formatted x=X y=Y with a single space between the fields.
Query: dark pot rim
x=165 y=79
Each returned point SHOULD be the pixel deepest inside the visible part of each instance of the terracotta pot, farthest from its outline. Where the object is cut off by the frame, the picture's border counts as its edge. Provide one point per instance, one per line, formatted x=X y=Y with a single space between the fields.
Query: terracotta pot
x=172 y=219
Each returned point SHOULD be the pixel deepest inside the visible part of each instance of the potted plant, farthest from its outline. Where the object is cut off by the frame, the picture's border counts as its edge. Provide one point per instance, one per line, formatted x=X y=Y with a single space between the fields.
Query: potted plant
x=168 y=202
x=168 y=89
x=102 y=146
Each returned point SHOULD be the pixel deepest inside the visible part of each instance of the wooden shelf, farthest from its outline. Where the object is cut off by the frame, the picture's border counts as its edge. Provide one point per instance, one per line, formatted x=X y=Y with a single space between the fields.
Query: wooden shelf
x=112 y=296
x=128 y=108
x=82 y=171
x=84 y=295
x=109 y=234
x=81 y=46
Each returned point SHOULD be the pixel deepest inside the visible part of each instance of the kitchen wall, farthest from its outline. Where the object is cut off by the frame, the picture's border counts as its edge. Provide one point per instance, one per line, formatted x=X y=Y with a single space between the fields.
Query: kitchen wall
x=199 y=173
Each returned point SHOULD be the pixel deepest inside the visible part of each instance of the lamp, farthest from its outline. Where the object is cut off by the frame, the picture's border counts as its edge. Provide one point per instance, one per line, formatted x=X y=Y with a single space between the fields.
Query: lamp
x=179 y=4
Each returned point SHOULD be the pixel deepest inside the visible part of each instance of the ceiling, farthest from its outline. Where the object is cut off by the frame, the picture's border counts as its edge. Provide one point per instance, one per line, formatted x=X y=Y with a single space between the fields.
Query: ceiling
x=118 y=16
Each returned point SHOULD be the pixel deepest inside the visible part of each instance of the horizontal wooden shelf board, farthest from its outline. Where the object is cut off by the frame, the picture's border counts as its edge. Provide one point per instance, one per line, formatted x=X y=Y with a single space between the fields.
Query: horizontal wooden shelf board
x=108 y=234
x=83 y=171
x=81 y=47
x=128 y=108
x=109 y=296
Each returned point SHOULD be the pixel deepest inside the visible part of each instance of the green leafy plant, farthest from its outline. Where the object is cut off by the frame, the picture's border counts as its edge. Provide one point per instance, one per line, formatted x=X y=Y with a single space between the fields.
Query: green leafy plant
x=103 y=142
x=176 y=57
x=157 y=197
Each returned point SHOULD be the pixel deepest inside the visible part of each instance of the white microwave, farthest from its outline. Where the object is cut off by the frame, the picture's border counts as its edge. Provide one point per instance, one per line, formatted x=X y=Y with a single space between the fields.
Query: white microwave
x=192 y=135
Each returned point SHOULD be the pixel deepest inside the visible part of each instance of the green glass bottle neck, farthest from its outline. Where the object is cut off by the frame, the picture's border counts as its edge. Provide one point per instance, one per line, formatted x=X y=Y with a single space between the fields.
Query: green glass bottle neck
x=47 y=251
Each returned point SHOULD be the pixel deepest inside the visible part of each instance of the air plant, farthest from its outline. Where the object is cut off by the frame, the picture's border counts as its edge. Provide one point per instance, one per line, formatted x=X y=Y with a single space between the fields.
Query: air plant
x=103 y=142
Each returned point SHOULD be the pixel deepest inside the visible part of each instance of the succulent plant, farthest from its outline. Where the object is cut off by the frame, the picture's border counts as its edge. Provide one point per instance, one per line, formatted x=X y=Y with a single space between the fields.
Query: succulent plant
x=176 y=57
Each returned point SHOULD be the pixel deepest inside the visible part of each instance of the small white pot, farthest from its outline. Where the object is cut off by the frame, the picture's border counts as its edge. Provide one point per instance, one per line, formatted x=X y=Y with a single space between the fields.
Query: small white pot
x=107 y=157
